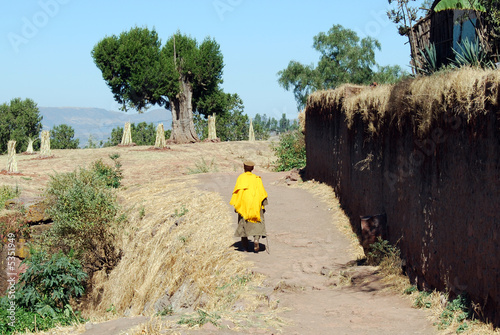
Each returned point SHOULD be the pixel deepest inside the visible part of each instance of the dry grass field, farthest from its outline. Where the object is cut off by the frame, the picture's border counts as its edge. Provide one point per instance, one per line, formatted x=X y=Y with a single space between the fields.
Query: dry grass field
x=178 y=256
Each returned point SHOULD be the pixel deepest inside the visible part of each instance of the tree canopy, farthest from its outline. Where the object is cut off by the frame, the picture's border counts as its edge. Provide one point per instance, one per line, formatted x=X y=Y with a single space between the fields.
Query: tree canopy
x=345 y=58
x=62 y=137
x=19 y=121
x=182 y=75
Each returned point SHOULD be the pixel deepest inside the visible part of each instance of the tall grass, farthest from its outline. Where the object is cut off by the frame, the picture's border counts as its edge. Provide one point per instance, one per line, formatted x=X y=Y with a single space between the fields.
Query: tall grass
x=173 y=261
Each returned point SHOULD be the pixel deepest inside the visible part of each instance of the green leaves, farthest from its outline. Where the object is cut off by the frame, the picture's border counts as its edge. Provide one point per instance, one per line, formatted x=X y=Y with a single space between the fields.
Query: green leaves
x=130 y=65
x=19 y=120
x=345 y=58
x=458 y=4
x=44 y=292
x=84 y=210
x=62 y=137
x=141 y=73
x=471 y=53
x=291 y=151
x=50 y=281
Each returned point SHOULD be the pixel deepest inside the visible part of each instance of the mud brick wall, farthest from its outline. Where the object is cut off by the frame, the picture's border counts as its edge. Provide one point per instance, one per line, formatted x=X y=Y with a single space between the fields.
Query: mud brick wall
x=440 y=192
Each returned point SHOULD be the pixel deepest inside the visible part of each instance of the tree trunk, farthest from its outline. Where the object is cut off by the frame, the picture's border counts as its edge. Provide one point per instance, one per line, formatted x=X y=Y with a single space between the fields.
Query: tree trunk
x=182 y=116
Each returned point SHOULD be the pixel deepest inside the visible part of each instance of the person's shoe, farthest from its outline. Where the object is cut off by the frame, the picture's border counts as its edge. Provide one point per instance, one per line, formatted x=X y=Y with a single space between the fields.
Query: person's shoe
x=256 y=246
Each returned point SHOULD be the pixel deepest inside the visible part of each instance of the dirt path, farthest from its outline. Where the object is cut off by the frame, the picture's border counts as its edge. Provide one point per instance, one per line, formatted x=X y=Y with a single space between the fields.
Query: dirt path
x=308 y=257
x=306 y=254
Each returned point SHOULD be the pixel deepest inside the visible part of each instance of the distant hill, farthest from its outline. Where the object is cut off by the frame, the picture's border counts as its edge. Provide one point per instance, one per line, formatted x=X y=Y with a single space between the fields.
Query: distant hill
x=98 y=122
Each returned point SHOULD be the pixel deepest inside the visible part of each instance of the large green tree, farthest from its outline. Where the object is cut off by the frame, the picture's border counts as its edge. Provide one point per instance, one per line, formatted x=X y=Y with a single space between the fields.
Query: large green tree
x=180 y=75
x=63 y=137
x=19 y=121
x=345 y=58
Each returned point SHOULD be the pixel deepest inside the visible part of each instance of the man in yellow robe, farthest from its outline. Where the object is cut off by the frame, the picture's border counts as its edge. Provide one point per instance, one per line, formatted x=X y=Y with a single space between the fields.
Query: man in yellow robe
x=249 y=198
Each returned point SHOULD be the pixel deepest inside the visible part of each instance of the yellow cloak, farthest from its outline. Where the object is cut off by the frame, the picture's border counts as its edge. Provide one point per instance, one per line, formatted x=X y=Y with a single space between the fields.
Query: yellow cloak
x=248 y=195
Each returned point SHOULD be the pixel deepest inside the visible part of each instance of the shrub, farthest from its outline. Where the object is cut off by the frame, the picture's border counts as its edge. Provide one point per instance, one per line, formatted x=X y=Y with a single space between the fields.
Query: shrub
x=471 y=53
x=381 y=251
x=291 y=151
x=84 y=212
x=44 y=293
x=50 y=282
x=203 y=167
x=111 y=175
x=6 y=193
x=457 y=312
x=14 y=224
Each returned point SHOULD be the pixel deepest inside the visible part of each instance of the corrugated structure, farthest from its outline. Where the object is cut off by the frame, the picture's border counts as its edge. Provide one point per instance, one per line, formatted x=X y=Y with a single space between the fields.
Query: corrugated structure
x=435 y=176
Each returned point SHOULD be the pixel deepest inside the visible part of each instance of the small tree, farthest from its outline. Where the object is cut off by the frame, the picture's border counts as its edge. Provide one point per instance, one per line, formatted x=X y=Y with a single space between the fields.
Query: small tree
x=62 y=137
x=290 y=151
x=19 y=120
x=345 y=58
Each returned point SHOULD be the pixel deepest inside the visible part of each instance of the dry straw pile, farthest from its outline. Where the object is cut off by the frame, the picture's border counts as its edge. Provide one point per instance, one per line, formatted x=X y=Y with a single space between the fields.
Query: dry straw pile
x=465 y=92
x=45 y=146
x=176 y=253
x=12 y=160
x=160 y=137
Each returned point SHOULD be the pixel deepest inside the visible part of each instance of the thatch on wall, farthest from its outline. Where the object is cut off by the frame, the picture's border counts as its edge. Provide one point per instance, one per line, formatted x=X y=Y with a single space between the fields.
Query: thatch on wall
x=470 y=89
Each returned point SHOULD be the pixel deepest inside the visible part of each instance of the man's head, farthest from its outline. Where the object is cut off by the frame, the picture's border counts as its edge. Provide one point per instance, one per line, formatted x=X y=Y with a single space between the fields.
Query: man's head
x=248 y=166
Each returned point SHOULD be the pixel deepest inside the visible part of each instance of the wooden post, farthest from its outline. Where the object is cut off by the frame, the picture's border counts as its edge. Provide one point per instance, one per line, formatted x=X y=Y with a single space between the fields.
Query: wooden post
x=251 y=134
x=211 y=127
x=45 y=146
x=127 y=135
x=160 y=137
x=11 y=160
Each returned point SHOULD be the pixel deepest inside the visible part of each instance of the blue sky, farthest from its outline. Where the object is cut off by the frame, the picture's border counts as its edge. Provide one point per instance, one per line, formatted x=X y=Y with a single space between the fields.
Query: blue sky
x=45 y=44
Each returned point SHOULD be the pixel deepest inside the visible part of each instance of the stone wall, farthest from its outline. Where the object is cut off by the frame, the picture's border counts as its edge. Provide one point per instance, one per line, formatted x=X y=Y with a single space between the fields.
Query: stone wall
x=440 y=191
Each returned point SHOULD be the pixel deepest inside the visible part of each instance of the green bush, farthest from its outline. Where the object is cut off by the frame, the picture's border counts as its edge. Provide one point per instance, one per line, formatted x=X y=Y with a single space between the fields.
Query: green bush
x=457 y=311
x=111 y=175
x=291 y=151
x=84 y=211
x=50 y=281
x=6 y=193
x=381 y=250
x=42 y=297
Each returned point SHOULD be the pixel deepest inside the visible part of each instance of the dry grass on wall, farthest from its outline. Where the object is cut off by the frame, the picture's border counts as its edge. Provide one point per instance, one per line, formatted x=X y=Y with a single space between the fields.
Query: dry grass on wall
x=177 y=238
x=466 y=92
